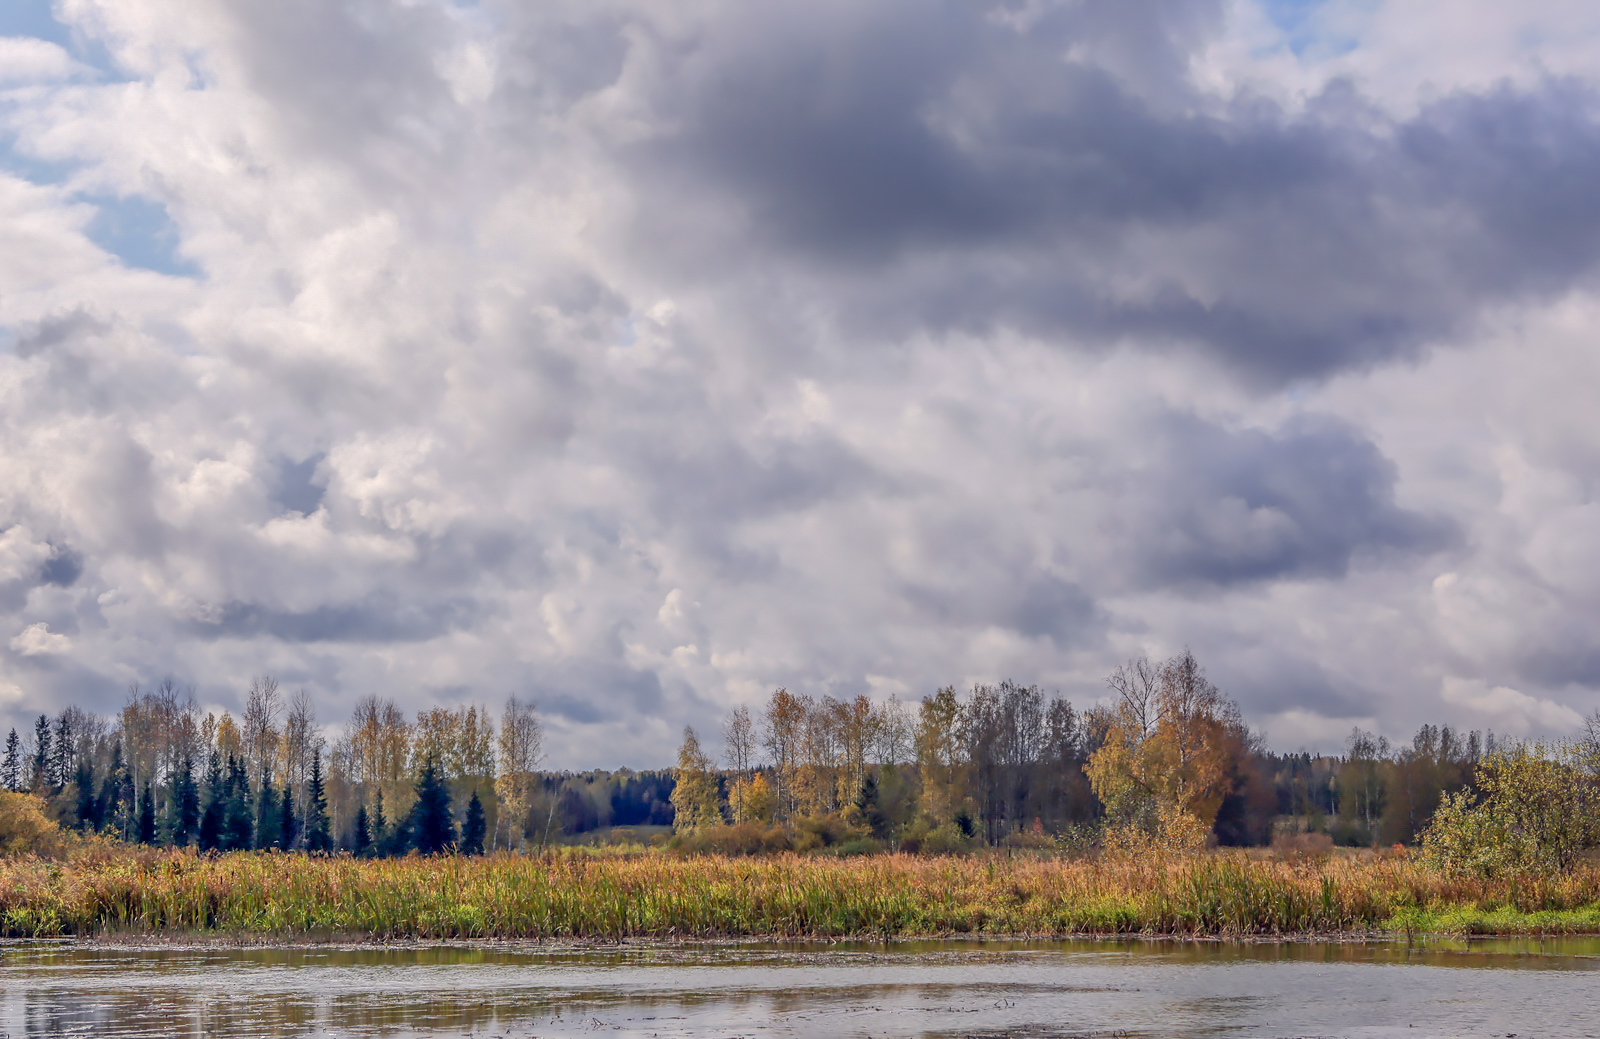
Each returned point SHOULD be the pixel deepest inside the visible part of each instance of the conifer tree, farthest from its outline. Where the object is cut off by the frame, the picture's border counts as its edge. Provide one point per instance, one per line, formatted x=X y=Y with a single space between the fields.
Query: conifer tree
x=473 y=827
x=361 y=844
x=269 y=823
x=127 y=798
x=39 y=781
x=287 y=830
x=319 y=839
x=111 y=807
x=379 y=834
x=62 y=753
x=185 y=804
x=432 y=831
x=238 y=833
x=11 y=767
x=213 y=819
x=147 y=816
x=88 y=806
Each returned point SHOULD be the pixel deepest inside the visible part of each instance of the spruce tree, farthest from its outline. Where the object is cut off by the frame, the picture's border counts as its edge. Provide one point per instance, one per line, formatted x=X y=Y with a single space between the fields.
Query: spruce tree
x=319 y=839
x=473 y=827
x=269 y=823
x=63 y=753
x=213 y=819
x=147 y=816
x=432 y=830
x=11 y=767
x=127 y=797
x=287 y=829
x=39 y=781
x=185 y=804
x=238 y=833
x=111 y=807
x=88 y=804
x=380 y=826
x=361 y=842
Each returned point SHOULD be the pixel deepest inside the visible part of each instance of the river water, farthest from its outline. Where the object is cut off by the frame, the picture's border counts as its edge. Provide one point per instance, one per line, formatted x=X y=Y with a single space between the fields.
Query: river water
x=1491 y=988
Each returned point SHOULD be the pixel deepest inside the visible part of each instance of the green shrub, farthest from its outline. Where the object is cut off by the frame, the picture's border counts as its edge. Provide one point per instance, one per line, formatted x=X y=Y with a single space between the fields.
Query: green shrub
x=1536 y=810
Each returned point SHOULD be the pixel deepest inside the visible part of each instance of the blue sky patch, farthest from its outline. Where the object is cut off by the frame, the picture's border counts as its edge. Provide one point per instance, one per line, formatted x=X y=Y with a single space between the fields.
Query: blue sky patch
x=37 y=18
x=140 y=233
x=30 y=167
x=34 y=18
x=1303 y=30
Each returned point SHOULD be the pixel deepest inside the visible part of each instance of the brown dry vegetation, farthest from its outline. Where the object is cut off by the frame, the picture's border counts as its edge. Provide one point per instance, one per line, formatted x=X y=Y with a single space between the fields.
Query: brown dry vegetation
x=583 y=896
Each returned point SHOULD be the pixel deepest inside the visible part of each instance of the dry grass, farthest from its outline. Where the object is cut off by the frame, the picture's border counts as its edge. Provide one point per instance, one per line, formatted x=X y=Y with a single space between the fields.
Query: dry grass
x=574 y=895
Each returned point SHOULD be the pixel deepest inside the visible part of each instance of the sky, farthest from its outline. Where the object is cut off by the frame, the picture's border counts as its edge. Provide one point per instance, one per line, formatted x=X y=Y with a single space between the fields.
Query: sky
x=642 y=357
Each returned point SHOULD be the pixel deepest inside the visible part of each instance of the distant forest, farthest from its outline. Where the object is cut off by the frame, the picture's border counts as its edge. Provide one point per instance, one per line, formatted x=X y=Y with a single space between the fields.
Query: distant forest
x=1169 y=757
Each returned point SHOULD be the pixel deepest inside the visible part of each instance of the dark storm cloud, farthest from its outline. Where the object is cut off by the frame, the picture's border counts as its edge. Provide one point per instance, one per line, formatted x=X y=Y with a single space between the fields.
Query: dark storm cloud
x=1252 y=505
x=298 y=487
x=1266 y=685
x=1017 y=598
x=379 y=617
x=595 y=691
x=62 y=569
x=932 y=168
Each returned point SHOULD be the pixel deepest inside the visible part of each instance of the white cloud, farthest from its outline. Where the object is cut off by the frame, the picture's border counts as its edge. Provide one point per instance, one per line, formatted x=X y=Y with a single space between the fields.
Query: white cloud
x=24 y=59
x=21 y=557
x=1509 y=707
x=645 y=432
x=38 y=640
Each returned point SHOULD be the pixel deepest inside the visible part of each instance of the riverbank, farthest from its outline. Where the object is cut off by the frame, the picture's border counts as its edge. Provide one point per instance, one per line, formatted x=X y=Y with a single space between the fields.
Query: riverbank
x=586 y=897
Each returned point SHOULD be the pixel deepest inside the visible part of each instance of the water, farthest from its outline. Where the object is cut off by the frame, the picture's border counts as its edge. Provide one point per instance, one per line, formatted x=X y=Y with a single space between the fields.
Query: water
x=1492 y=988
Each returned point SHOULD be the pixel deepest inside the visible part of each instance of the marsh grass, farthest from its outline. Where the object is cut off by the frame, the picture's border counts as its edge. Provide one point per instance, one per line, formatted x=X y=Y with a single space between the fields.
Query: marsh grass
x=584 y=895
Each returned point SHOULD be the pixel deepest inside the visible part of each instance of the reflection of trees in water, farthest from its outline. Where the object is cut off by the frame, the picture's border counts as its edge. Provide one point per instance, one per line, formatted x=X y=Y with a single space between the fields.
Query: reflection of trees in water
x=274 y=1014
x=178 y=1014
x=46 y=1017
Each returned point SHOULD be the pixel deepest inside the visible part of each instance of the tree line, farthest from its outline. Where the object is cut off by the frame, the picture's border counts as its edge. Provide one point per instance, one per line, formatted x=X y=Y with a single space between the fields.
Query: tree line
x=159 y=772
x=1168 y=759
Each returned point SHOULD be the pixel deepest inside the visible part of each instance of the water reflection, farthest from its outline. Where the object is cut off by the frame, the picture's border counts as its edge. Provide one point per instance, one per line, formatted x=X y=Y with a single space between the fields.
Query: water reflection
x=850 y=989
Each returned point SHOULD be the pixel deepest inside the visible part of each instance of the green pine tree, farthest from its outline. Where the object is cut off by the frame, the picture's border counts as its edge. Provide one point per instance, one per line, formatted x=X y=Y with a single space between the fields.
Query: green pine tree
x=361 y=843
x=213 y=819
x=39 y=781
x=237 y=833
x=63 y=755
x=473 y=827
x=319 y=838
x=290 y=831
x=147 y=816
x=432 y=831
x=185 y=810
x=269 y=821
x=380 y=835
x=88 y=804
x=11 y=767
x=111 y=807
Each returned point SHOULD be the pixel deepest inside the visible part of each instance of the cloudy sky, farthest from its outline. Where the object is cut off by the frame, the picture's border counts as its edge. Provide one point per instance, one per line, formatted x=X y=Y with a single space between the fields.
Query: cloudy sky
x=644 y=356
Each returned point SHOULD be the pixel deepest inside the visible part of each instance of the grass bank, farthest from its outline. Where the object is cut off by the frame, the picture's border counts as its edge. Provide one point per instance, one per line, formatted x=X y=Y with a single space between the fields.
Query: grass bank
x=578 y=896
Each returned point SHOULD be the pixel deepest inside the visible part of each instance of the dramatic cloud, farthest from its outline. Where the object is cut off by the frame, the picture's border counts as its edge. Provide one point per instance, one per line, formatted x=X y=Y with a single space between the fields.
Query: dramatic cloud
x=641 y=357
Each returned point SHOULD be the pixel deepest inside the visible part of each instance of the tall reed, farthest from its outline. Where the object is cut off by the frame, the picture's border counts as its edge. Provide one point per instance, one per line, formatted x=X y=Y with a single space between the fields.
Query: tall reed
x=660 y=896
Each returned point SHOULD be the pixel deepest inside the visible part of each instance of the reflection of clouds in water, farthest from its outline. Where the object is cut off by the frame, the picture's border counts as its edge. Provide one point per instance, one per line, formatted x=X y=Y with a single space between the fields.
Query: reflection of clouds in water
x=800 y=991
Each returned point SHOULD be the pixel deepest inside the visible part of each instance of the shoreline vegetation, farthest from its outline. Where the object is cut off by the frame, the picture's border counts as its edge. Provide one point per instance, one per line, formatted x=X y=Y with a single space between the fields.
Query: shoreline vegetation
x=1000 y=814
x=580 y=895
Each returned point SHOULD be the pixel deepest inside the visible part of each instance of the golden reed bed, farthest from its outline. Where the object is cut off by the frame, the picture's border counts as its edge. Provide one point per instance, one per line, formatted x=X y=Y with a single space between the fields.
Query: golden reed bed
x=575 y=896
